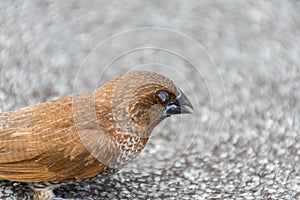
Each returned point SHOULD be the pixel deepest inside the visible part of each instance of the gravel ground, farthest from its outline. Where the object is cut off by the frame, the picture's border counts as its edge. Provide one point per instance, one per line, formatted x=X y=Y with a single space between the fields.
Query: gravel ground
x=242 y=142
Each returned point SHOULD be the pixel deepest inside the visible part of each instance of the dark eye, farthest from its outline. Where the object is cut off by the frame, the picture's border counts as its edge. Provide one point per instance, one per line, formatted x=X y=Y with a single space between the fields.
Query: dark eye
x=164 y=96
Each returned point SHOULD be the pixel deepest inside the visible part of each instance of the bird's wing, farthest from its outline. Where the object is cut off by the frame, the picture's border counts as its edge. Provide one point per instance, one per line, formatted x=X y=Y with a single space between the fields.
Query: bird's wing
x=30 y=156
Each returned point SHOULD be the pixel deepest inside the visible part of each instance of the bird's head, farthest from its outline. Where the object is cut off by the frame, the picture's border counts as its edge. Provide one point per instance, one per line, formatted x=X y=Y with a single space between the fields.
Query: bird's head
x=141 y=99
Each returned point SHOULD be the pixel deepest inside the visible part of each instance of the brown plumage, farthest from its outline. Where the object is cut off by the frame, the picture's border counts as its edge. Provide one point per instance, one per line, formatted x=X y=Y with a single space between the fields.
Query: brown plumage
x=86 y=135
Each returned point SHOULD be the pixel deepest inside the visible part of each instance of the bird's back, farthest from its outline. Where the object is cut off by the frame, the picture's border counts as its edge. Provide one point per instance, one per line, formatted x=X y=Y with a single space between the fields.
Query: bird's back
x=41 y=143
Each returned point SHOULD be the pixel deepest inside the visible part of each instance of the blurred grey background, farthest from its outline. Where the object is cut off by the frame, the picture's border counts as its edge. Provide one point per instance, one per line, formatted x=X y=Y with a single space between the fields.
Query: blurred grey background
x=243 y=78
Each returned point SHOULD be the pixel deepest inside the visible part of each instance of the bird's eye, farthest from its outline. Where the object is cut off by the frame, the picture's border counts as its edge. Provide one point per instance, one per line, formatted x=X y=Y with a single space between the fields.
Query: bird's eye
x=164 y=96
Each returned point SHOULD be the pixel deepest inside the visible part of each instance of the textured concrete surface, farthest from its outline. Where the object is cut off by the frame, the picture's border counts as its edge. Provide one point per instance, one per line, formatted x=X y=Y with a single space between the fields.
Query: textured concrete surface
x=243 y=140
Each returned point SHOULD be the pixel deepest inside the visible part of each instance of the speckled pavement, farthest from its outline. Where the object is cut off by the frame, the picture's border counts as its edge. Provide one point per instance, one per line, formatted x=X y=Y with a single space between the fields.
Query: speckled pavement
x=246 y=145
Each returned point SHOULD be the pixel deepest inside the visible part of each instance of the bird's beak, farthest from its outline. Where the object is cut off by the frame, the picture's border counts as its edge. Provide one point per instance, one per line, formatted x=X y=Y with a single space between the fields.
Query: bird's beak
x=180 y=105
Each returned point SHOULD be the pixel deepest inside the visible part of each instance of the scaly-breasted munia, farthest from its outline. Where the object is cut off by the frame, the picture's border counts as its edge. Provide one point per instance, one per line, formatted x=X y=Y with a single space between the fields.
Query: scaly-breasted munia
x=87 y=135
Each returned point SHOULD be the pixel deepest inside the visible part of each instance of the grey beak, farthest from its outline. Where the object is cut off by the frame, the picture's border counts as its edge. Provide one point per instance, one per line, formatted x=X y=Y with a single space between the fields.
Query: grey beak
x=180 y=105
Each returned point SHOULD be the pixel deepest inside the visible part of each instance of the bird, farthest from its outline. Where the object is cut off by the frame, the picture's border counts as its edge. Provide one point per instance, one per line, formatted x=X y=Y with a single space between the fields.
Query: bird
x=88 y=135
